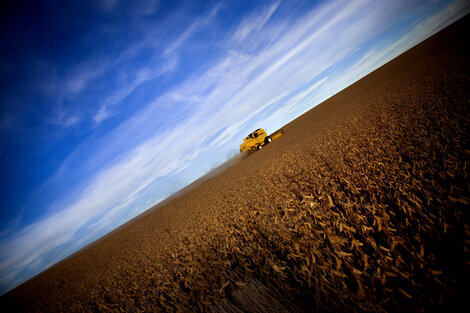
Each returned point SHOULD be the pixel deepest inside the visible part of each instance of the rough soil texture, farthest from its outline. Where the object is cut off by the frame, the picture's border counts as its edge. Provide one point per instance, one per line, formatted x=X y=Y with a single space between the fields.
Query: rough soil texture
x=362 y=205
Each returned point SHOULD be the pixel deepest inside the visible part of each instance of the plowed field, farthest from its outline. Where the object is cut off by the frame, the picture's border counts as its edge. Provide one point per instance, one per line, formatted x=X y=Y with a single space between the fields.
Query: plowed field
x=362 y=205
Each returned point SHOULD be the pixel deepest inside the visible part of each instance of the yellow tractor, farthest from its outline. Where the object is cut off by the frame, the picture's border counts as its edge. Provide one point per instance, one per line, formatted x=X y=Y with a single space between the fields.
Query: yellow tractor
x=255 y=141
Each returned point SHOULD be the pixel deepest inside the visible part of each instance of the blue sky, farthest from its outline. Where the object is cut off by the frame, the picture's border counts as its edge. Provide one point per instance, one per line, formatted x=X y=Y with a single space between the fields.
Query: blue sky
x=108 y=107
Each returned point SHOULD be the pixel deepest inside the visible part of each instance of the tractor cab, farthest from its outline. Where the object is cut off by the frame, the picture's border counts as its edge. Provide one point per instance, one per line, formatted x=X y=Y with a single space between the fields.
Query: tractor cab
x=255 y=141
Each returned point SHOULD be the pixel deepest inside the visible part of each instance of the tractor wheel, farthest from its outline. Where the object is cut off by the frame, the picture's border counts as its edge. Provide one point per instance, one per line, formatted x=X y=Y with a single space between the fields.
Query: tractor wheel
x=268 y=139
x=259 y=147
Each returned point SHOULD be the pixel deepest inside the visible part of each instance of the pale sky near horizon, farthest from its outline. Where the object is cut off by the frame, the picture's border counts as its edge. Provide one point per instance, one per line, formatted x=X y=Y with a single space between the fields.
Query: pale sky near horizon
x=108 y=107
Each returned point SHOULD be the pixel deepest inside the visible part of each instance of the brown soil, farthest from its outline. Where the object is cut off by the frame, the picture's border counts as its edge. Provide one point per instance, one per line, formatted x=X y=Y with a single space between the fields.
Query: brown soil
x=362 y=205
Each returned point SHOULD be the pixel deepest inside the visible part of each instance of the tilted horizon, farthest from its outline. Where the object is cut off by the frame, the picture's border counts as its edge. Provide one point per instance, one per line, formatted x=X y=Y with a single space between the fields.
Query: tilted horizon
x=110 y=107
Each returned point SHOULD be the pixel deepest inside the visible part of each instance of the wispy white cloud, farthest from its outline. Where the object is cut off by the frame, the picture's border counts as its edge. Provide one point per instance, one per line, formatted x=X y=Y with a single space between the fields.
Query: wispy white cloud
x=141 y=76
x=378 y=56
x=211 y=110
x=254 y=23
x=197 y=25
x=80 y=77
x=128 y=177
x=74 y=80
x=170 y=55
x=59 y=87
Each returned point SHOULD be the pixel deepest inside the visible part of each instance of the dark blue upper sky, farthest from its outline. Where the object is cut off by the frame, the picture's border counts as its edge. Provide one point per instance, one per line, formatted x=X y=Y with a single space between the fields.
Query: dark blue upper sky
x=108 y=107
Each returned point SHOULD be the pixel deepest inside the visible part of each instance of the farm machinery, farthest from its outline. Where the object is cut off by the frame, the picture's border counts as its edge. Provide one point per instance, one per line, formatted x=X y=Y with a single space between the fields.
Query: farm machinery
x=258 y=139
